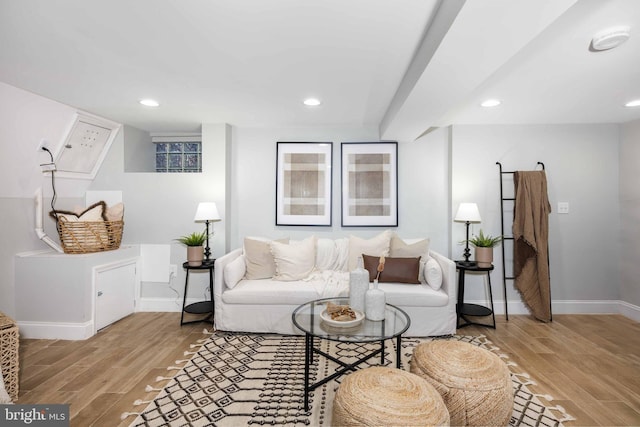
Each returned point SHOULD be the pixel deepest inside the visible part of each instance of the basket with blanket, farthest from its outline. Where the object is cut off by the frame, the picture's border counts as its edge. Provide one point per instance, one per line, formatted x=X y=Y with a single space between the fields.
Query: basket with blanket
x=96 y=229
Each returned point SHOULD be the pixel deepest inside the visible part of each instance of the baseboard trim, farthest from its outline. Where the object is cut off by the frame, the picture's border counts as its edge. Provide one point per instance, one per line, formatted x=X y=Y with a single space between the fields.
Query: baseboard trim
x=572 y=307
x=162 y=304
x=629 y=310
x=55 y=331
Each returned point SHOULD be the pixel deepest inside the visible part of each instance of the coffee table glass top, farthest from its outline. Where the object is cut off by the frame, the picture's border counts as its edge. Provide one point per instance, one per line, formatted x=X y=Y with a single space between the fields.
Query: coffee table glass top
x=307 y=318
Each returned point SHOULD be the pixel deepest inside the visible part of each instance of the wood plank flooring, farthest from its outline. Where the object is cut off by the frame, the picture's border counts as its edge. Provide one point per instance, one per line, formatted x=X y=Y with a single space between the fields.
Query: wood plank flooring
x=590 y=364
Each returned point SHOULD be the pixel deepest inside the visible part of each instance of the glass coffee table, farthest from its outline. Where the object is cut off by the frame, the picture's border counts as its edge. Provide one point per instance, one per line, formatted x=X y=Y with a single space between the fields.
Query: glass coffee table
x=308 y=318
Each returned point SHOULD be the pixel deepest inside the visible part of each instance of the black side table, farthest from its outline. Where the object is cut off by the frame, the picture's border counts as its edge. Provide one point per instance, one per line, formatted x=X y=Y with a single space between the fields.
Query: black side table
x=463 y=310
x=200 y=307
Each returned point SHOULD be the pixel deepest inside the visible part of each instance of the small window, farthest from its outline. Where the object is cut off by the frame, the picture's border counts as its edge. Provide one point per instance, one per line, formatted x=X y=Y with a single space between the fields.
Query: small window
x=179 y=157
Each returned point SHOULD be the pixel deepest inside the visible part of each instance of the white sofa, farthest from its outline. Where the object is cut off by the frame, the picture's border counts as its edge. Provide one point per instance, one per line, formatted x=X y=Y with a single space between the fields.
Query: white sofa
x=246 y=304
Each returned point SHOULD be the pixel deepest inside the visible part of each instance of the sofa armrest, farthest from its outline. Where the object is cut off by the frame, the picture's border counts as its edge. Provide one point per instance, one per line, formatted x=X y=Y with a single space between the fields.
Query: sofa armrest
x=449 y=283
x=219 y=283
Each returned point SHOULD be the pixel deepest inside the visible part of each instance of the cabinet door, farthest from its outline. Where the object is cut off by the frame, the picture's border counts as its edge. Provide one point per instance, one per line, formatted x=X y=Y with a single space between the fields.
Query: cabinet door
x=115 y=293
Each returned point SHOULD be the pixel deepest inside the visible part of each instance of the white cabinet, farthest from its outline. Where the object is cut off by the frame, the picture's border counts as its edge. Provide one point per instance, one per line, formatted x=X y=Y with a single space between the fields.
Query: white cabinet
x=72 y=296
x=114 y=292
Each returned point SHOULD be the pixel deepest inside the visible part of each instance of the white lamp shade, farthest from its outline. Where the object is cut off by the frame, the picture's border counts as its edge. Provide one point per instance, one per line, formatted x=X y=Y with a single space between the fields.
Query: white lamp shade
x=207 y=211
x=468 y=212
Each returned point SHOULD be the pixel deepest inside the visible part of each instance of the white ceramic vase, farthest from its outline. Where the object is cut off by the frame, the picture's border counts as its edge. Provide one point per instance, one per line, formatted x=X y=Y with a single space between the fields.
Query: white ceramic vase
x=358 y=286
x=375 y=302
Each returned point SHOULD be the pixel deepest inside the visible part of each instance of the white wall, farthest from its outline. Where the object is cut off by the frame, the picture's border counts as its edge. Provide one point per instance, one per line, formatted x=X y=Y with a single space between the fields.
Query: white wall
x=630 y=213
x=27 y=119
x=159 y=207
x=139 y=151
x=582 y=169
x=422 y=181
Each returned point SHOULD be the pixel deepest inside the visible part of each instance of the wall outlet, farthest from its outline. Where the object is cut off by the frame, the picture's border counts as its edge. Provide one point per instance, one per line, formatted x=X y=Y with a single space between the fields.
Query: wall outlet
x=43 y=144
x=173 y=270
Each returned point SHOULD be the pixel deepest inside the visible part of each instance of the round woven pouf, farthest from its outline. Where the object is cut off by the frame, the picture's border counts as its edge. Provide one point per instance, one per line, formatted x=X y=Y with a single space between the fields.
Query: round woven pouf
x=382 y=396
x=473 y=382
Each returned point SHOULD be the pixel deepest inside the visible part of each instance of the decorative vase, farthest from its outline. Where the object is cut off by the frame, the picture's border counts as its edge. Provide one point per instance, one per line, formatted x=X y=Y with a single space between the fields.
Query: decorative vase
x=375 y=303
x=484 y=257
x=195 y=255
x=358 y=286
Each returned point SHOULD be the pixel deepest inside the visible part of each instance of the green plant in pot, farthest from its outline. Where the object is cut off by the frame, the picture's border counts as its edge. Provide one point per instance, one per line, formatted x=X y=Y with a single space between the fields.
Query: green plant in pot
x=484 y=245
x=195 y=251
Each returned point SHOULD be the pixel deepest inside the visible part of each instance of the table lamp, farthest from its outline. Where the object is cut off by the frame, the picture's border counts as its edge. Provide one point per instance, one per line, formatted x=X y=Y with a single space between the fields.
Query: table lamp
x=467 y=213
x=207 y=212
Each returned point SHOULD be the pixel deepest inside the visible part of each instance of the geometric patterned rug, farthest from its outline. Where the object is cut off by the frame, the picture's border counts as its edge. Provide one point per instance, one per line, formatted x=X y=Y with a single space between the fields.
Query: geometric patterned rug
x=244 y=379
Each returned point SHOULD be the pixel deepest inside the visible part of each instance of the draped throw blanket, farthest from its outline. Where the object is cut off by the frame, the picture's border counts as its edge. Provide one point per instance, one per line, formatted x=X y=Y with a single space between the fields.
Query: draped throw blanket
x=531 y=235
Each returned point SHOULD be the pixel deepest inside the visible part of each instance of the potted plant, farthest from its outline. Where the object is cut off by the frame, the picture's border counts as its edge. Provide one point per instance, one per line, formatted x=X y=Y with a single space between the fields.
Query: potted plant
x=195 y=251
x=484 y=245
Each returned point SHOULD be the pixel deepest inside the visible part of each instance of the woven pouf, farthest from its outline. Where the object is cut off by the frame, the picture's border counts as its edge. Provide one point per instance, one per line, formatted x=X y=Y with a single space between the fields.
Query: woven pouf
x=473 y=382
x=382 y=396
x=9 y=361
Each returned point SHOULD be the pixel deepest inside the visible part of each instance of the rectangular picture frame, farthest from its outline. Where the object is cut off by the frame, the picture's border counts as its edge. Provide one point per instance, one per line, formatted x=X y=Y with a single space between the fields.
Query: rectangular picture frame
x=304 y=183
x=369 y=184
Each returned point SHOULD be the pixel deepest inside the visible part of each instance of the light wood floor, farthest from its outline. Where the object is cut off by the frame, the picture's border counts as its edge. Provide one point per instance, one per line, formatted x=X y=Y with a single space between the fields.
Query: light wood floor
x=589 y=363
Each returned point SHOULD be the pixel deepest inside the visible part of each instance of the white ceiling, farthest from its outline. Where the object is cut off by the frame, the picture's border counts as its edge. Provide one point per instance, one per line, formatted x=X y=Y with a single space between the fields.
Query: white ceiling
x=407 y=66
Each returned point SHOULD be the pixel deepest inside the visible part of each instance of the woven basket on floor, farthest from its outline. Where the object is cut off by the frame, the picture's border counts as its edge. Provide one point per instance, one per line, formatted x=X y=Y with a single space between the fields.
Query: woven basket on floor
x=80 y=237
x=9 y=355
x=474 y=383
x=383 y=396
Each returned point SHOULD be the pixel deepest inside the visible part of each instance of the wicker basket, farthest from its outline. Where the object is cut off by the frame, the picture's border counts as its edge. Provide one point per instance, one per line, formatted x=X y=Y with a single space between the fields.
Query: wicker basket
x=9 y=355
x=80 y=237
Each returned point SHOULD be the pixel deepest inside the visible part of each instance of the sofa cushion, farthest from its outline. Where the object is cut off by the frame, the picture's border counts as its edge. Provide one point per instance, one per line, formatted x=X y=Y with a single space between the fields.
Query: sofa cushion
x=433 y=274
x=407 y=295
x=396 y=270
x=294 y=261
x=376 y=246
x=270 y=292
x=258 y=257
x=234 y=271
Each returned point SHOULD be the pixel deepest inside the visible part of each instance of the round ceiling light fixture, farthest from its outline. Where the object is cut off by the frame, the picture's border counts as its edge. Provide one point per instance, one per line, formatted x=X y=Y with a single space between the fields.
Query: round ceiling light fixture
x=490 y=103
x=634 y=103
x=610 y=38
x=312 y=102
x=149 y=102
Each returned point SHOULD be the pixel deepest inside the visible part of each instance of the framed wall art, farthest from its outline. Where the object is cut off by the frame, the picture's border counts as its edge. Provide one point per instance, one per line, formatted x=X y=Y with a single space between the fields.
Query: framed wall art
x=369 y=184
x=304 y=183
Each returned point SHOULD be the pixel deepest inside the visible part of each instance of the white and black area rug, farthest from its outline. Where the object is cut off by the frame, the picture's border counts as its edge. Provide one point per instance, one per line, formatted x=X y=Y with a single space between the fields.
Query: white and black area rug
x=241 y=380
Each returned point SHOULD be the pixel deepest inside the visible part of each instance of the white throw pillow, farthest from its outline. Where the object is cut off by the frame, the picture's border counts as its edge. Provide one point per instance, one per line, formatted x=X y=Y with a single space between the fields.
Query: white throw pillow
x=376 y=246
x=234 y=271
x=294 y=261
x=433 y=274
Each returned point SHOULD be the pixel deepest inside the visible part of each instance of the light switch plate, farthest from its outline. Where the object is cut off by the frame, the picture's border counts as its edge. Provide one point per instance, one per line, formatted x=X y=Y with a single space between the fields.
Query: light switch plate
x=563 y=207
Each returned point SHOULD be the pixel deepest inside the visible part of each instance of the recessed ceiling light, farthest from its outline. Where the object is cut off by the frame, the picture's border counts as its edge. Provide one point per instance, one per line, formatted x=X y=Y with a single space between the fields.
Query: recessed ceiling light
x=491 y=103
x=312 y=102
x=149 y=102
x=610 y=38
x=634 y=103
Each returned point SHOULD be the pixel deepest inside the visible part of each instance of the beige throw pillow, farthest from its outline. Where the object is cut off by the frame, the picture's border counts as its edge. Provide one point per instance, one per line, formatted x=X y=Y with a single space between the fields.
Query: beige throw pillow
x=294 y=261
x=258 y=258
x=401 y=249
x=376 y=246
